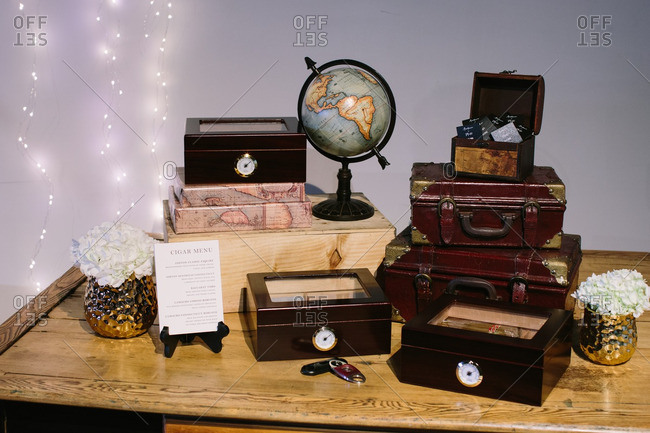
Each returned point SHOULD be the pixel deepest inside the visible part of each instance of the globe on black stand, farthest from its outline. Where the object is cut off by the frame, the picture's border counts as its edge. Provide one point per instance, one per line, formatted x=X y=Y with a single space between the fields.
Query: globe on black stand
x=343 y=207
x=348 y=113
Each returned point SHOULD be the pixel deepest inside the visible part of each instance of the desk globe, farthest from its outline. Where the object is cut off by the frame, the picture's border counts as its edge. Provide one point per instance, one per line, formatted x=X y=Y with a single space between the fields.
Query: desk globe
x=348 y=113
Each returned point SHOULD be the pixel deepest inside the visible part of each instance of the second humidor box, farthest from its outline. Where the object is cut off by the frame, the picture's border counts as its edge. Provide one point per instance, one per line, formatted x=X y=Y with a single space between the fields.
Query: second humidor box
x=318 y=314
x=486 y=348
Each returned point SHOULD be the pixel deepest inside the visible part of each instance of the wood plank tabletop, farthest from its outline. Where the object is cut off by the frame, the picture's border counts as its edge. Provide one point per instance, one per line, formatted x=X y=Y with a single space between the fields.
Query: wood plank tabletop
x=61 y=361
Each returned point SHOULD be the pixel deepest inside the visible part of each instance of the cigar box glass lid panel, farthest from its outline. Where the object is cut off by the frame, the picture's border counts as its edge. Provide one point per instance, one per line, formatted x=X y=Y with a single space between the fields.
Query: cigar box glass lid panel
x=344 y=295
x=317 y=288
x=489 y=320
x=219 y=126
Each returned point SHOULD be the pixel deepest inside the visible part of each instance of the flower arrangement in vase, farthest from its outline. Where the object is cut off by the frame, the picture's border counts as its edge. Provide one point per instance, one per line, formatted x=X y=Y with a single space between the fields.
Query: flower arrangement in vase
x=120 y=297
x=613 y=301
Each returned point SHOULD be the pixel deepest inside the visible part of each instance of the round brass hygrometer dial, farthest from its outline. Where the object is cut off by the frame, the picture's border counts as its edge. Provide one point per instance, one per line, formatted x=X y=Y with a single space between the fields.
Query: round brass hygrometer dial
x=469 y=373
x=245 y=165
x=324 y=339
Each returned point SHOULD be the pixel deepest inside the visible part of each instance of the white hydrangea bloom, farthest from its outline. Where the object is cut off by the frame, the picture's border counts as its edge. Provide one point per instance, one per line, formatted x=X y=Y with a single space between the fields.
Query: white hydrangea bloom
x=112 y=252
x=618 y=292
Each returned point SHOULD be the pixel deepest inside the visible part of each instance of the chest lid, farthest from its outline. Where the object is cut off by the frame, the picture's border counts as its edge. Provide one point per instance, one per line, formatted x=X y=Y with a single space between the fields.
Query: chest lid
x=307 y=297
x=513 y=333
x=521 y=95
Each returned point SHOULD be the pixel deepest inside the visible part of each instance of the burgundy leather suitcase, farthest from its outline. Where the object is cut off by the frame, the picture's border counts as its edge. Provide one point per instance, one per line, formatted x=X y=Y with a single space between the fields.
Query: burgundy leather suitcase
x=413 y=276
x=477 y=212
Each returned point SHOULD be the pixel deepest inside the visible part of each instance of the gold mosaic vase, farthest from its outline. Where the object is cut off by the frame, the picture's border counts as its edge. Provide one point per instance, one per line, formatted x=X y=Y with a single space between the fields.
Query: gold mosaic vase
x=121 y=312
x=608 y=339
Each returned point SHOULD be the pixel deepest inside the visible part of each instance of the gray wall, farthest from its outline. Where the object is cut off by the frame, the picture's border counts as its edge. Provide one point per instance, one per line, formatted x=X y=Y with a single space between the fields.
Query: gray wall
x=241 y=59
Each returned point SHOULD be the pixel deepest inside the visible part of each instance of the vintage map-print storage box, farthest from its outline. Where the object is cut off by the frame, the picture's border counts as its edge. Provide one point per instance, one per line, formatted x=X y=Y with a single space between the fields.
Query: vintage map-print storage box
x=211 y=194
x=247 y=217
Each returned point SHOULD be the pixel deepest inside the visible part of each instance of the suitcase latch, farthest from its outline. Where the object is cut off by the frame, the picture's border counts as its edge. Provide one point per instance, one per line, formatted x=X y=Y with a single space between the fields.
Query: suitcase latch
x=518 y=286
x=442 y=202
x=446 y=214
x=423 y=292
x=532 y=204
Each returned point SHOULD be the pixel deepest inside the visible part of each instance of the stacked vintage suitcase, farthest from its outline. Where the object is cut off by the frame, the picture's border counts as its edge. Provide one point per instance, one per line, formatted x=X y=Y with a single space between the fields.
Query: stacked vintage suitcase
x=241 y=174
x=487 y=226
x=490 y=224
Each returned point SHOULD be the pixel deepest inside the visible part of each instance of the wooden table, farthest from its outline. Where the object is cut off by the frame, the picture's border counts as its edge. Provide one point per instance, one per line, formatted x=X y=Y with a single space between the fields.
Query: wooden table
x=60 y=361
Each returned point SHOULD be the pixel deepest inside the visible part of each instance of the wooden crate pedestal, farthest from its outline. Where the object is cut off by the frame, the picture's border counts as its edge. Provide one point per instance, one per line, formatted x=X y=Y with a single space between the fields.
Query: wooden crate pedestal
x=324 y=245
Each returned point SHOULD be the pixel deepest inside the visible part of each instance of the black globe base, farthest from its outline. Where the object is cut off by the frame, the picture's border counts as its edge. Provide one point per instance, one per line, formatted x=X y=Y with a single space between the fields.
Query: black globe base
x=343 y=207
x=350 y=210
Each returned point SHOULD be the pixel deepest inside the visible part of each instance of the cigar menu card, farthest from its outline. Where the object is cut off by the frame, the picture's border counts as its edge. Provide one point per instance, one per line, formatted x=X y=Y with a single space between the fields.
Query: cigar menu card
x=188 y=279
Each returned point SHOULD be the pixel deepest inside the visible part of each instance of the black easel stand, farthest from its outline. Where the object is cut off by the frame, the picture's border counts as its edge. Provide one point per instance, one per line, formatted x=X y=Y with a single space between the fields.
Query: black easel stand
x=212 y=339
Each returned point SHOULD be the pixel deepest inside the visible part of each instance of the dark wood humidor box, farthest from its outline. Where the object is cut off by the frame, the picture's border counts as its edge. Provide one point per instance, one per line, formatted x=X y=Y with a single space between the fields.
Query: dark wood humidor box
x=465 y=211
x=270 y=150
x=498 y=94
x=485 y=348
x=318 y=314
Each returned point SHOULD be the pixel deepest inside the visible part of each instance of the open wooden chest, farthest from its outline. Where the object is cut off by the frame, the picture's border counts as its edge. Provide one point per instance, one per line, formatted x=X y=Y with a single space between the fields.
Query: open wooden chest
x=501 y=94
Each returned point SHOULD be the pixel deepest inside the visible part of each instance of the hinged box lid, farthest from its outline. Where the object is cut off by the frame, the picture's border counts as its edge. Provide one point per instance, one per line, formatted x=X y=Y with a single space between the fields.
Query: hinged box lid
x=249 y=133
x=332 y=295
x=522 y=95
x=513 y=333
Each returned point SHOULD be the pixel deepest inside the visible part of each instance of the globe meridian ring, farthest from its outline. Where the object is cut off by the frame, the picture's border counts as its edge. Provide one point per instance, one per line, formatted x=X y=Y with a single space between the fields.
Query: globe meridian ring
x=389 y=101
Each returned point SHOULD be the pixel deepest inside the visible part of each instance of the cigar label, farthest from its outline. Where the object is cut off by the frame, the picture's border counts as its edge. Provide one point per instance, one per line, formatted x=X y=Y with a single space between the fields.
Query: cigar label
x=486 y=327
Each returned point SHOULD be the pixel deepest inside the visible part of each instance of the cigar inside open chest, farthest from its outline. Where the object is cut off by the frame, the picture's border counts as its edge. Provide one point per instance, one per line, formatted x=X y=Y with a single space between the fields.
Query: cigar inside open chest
x=487 y=327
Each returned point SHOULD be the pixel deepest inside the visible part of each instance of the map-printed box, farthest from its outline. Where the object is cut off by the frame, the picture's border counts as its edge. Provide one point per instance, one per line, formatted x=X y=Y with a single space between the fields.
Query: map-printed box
x=235 y=194
x=266 y=216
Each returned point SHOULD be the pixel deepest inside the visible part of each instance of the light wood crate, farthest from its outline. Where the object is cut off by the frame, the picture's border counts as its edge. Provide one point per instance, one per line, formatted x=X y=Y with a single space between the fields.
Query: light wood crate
x=325 y=245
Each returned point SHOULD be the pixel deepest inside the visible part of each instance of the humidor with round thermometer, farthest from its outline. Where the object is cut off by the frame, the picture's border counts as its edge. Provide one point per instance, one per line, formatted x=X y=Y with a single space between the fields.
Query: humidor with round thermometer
x=244 y=150
x=315 y=314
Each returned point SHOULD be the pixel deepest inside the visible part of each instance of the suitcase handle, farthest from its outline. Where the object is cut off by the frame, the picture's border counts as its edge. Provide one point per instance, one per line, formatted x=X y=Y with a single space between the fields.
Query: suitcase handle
x=486 y=232
x=479 y=283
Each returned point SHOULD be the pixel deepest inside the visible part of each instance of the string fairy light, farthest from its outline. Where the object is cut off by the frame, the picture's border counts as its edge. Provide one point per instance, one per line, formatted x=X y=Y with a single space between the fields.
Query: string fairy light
x=155 y=31
x=28 y=110
x=107 y=19
x=154 y=25
x=157 y=21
